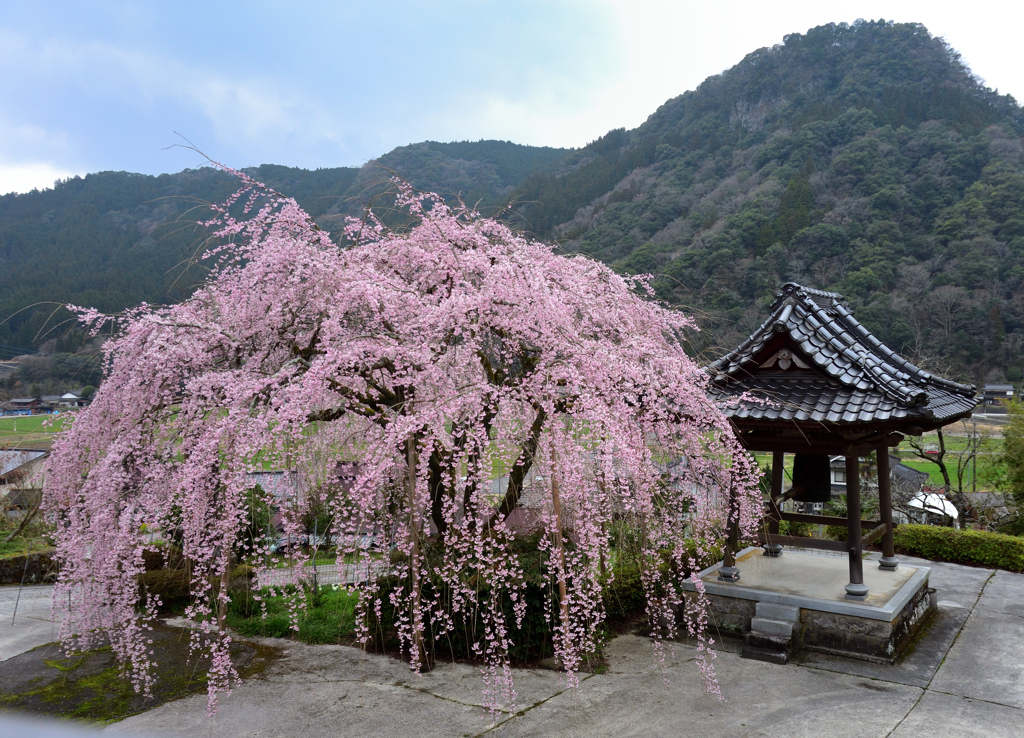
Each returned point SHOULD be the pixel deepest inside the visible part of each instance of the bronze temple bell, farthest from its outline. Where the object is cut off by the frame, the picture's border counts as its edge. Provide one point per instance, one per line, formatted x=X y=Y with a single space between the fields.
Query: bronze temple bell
x=812 y=475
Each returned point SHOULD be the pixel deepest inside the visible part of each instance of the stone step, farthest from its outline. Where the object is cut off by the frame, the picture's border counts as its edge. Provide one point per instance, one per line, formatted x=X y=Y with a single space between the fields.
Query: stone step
x=772 y=627
x=764 y=654
x=771 y=642
x=775 y=611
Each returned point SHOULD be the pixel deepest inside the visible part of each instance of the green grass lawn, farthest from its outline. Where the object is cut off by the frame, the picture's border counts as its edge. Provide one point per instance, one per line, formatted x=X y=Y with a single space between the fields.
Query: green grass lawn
x=328 y=556
x=987 y=466
x=330 y=617
x=21 y=546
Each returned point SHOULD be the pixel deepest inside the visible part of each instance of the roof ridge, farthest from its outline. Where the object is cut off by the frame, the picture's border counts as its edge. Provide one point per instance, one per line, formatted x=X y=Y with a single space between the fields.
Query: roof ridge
x=822 y=326
x=792 y=289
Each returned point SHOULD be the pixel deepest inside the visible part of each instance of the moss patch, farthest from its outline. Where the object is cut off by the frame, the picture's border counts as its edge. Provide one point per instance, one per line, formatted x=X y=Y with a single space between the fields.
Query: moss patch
x=90 y=686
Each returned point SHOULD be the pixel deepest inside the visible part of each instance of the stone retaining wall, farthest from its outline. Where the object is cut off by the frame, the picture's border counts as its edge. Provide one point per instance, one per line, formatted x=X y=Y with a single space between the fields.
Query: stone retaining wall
x=876 y=640
x=41 y=568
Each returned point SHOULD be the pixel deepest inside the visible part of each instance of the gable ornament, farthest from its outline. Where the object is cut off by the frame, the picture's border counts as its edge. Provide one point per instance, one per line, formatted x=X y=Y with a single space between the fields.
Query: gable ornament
x=785 y=359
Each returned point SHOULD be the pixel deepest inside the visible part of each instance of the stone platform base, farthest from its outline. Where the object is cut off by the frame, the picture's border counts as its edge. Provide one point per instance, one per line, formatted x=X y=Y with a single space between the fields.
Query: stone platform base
x=876 y=629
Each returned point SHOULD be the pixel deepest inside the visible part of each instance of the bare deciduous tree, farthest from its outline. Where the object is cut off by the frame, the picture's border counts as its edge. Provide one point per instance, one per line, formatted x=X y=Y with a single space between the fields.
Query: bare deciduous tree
x=958 y=468
x=946 y=304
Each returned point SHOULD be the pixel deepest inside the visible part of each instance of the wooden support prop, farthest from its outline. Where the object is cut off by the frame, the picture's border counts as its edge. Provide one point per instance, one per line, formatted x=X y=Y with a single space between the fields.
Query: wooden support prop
x=556 y=503
x=414 y=563
x=874 y=534
x=222 y=604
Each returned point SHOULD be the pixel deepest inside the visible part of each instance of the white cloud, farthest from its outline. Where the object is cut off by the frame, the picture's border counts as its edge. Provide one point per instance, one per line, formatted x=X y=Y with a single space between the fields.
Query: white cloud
x=241 y=111
x=30 y=157
x=27 y=177
x=101 y=99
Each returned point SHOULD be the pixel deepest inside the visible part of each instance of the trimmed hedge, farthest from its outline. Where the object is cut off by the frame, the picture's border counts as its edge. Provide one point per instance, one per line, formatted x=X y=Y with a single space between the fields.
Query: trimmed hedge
x=980 y=548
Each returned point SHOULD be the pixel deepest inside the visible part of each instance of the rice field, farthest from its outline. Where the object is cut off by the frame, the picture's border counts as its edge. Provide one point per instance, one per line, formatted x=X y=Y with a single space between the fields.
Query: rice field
x=27 y=430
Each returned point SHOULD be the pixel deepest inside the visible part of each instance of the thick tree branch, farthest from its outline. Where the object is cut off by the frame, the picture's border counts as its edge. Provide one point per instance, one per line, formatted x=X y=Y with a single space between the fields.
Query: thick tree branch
x=520 y=469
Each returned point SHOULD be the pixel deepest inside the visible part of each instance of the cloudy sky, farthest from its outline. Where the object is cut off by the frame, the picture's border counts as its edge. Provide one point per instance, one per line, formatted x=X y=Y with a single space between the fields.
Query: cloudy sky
x=111 y=85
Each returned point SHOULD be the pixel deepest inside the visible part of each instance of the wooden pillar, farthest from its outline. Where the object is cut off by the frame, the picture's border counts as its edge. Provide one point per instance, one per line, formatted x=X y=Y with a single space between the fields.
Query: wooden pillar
x=729 y=572
x=889 y=562
x=778 y=467
x=855 y=589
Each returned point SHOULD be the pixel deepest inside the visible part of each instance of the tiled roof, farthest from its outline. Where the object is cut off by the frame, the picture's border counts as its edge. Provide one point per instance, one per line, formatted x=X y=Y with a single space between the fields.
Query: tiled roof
x=830 y=370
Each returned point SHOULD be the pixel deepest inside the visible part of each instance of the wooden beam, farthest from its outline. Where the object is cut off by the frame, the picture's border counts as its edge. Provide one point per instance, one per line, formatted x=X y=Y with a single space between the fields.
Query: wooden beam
x=854 y=545
x=885 y=508
x=775 y=493
x=770 y=443
x=788 y=495
x=825 y=520
x=800 y=542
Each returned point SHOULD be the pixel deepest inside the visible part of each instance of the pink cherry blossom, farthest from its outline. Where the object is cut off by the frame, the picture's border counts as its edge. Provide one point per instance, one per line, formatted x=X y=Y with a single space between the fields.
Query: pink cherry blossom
x=429 y=355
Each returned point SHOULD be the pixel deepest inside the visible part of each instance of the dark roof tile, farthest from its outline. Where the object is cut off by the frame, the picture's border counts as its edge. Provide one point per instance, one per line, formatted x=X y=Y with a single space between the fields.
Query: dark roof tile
x=860 y=381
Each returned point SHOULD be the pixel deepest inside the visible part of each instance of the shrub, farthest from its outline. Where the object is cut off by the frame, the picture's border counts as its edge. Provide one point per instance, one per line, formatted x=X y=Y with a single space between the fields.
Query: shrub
x=622 y=599
x=332 y=621
x=163 y=556
x=531 y=641
x=836 y=532
x=624 y=596
x=976 y=547
x=246 y=616
x=153 y=559
x=171 y=585
x=174 y=584
x=790 y=528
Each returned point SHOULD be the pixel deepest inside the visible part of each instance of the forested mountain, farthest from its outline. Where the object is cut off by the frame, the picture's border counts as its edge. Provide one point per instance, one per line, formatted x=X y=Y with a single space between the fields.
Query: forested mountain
x=114 y=239
x=864 y=158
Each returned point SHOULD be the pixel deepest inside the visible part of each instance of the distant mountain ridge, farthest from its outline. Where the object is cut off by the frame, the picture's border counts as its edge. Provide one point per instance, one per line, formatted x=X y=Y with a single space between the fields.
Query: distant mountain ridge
x=861 y=158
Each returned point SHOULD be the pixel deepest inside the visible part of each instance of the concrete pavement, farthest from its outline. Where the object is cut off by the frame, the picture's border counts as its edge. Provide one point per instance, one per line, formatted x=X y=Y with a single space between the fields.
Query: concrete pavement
x=33 y=625
x=964 y=677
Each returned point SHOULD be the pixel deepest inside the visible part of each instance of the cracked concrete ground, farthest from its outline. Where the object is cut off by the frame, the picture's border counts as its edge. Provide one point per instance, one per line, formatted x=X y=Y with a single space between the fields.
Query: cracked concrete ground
x=965 y=677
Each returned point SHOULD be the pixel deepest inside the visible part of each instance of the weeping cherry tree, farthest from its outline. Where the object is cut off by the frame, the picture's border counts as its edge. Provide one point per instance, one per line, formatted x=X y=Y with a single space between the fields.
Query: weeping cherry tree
x=435 y=353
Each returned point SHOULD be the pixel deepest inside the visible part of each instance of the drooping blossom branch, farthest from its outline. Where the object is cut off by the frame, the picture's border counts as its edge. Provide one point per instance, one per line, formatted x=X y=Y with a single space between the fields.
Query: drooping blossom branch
x=436 y=353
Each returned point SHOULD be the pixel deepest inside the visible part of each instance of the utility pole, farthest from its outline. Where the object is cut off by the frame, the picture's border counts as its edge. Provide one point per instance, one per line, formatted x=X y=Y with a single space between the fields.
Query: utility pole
x=974 y=465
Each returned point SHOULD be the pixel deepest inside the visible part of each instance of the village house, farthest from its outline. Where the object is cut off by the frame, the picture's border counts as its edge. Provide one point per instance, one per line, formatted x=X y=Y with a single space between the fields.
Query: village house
x=22 y=406
x=21 y=477
x=72 y=398
x=995 y=397
x=45 y=404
